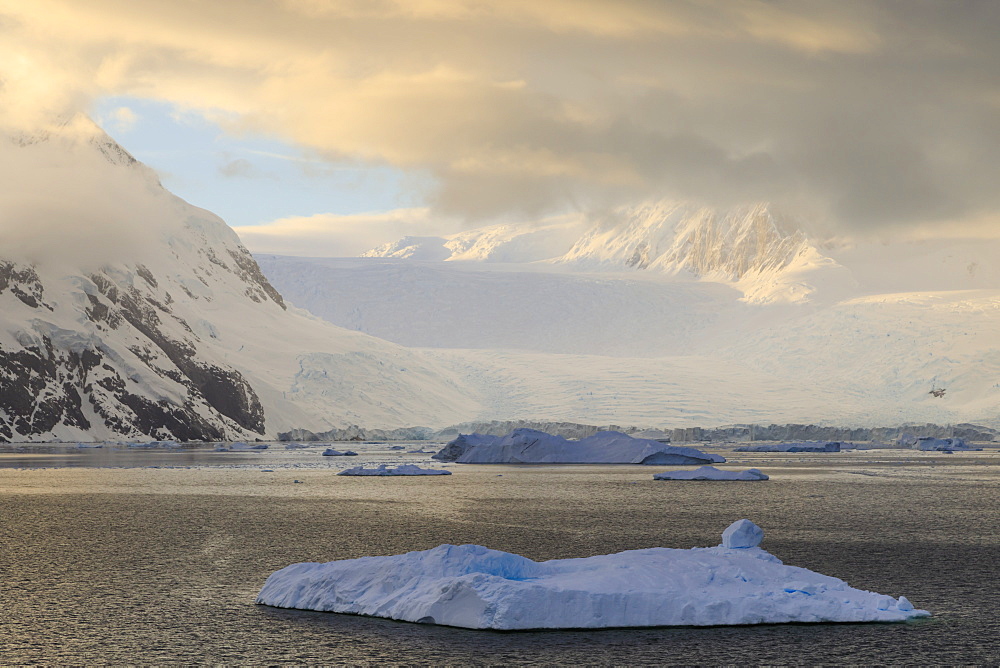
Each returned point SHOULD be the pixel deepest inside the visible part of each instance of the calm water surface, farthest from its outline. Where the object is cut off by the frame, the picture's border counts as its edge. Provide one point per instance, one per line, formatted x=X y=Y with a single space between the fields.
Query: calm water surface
x=162 y=565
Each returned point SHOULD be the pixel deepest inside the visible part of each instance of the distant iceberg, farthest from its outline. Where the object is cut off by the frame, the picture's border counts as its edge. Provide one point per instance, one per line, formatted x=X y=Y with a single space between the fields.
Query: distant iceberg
x=530 y=446
x=402 y=469
x=931 y=444
x=474 y=587
x=805 y=446
x=711 y=473
x=330 y=452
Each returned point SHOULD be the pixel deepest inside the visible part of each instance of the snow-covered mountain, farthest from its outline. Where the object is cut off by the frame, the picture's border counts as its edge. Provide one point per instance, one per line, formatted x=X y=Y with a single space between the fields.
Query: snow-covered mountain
x=675 y=315
x=151 y=320
x=127 y=312
x=754 y=248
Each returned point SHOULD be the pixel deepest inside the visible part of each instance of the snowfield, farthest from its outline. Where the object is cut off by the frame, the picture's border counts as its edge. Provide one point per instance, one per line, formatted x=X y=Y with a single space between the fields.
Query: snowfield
x=474 y=587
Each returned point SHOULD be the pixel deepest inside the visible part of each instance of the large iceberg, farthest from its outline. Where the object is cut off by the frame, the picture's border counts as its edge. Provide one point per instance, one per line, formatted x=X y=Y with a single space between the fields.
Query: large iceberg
x=385 y=469
x=530 y=446
x=711 y=473
x=474 y=587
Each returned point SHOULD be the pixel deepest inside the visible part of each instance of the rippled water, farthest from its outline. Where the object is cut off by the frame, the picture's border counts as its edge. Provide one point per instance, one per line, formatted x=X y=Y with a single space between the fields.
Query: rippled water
x=162 y=565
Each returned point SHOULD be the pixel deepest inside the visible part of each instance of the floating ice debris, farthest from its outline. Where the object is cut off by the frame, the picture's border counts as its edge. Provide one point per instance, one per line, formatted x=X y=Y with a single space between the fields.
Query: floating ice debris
x=805 y=446
x=295 y=446
x=711 y=473
x=530 y=446
x=330 y=452
x=474 y=587
x=402 y=469
x=396 y=447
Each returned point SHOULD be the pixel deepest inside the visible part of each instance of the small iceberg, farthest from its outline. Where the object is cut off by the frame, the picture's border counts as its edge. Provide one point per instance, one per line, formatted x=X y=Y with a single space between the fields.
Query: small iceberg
x=530 y=446
x=402 y=469
x=153 y=445
x=330 y=452
x=805 y=446
x=711 y=473
x=474 y=587
x=241 y=446
x=931 y=444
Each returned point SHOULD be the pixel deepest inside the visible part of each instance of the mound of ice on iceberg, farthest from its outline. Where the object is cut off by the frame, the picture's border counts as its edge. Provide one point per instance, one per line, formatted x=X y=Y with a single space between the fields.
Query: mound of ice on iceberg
x=805 y=446
x=710 y=473
x=530 y=446
x=474 y=587
x=402 y=469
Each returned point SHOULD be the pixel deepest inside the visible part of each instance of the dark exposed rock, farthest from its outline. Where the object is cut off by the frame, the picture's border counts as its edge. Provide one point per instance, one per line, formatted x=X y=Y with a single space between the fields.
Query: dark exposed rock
x=23 y=283
x=224 y=389
x=146 y=275
x=259 y=288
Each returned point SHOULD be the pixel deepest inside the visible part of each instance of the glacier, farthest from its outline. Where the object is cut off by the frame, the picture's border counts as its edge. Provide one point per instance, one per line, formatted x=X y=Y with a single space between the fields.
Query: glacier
x=474 y=587
x=530 y=446
x=711 y=473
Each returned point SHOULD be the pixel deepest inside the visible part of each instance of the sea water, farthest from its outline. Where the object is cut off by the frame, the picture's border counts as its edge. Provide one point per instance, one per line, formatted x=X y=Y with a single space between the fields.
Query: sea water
x=157 y=557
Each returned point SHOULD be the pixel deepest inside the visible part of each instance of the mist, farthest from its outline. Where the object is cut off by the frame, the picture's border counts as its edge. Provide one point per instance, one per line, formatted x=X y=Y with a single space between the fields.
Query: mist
x=66 y=206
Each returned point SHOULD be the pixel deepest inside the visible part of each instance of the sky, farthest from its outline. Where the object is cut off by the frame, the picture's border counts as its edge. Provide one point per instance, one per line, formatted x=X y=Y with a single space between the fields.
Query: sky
x=322 y=126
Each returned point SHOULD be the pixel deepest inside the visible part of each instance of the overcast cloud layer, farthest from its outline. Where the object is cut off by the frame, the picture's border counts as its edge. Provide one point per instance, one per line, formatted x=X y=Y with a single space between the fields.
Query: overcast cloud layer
x=876 y=115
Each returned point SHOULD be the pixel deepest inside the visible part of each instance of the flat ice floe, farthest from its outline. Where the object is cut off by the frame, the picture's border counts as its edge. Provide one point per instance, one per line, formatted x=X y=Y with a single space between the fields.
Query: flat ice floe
x=805 y=446
x=530 y=446
x=711 y=473
x=474 y=587
x=402 y=469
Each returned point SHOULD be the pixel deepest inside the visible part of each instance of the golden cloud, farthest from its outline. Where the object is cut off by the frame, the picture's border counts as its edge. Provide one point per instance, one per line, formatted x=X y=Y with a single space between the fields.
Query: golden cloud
x=535 y=106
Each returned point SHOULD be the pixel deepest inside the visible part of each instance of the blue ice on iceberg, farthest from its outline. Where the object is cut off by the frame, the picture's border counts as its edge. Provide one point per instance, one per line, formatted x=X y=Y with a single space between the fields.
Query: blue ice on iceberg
x=474 y=587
